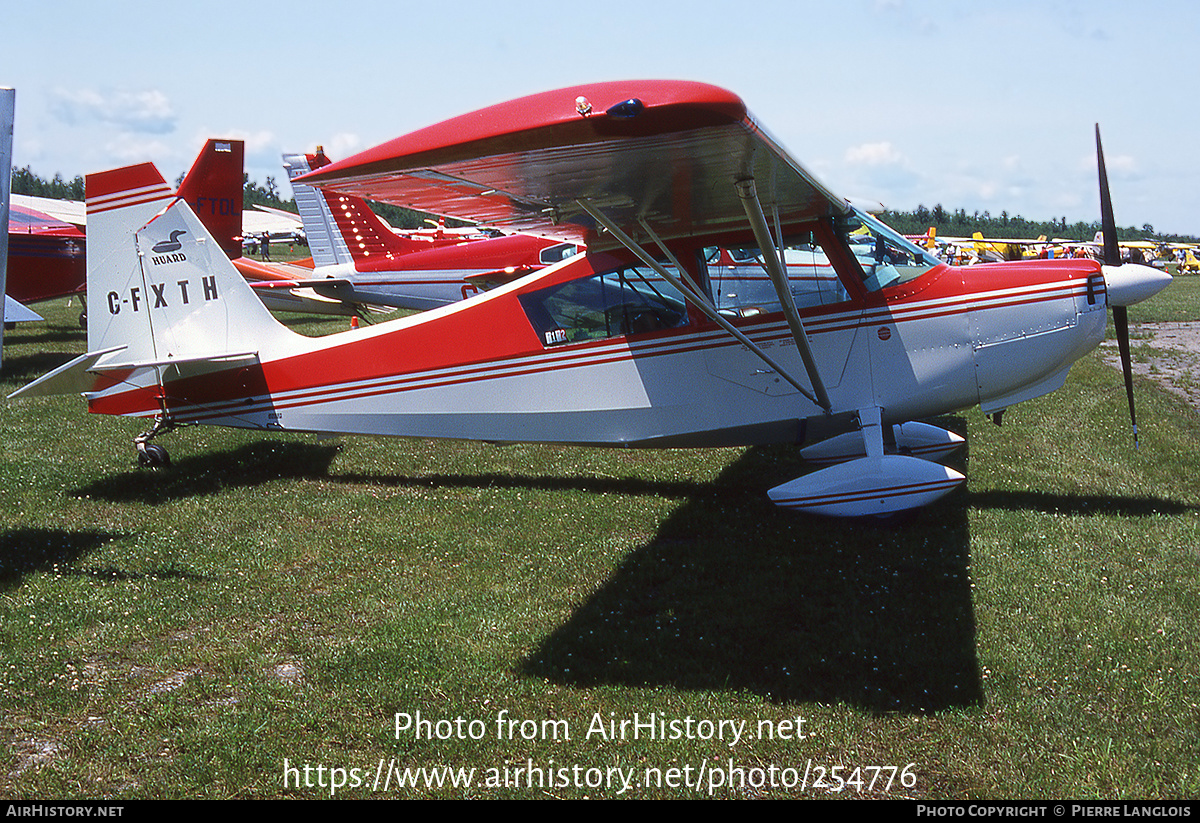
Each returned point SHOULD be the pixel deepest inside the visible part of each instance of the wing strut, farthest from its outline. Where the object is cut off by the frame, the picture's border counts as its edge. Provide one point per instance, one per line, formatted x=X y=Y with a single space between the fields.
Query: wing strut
x=771 y=257
x=697 y=300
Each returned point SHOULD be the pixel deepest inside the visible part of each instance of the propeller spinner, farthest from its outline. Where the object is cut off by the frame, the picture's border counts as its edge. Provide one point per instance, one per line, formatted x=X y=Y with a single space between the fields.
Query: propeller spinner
x=1125 y=284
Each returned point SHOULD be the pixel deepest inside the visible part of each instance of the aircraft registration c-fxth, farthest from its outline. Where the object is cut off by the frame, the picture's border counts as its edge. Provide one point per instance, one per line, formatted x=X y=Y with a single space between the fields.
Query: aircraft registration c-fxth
x=853 y=334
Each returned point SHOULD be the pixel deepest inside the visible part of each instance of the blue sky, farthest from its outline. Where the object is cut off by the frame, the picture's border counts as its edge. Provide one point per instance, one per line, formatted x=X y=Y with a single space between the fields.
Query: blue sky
x=982 y=106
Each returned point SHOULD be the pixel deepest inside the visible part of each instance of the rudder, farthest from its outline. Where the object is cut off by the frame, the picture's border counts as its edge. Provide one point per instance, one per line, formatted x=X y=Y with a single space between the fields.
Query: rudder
x=119 y=202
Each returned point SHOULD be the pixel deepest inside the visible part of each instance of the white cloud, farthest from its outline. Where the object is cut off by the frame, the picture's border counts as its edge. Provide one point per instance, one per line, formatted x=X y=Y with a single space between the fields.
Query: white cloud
x=139 y=112
x=1123 y=165
x=874 y=154
x=342 y=145
x=136 y=150
x=877 y=171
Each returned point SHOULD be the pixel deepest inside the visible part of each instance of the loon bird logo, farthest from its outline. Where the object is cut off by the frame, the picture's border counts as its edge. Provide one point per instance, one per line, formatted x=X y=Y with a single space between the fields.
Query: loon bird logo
x=169 y=245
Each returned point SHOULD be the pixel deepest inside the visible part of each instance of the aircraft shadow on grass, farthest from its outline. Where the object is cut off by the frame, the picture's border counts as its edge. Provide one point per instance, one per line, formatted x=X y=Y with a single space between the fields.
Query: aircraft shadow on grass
x=624 y=486
x=29 y=551
x=733 y=592
x=60 y=551
x=250 y=465
x=737 y=594
x=47 y=334
x=1076 y=504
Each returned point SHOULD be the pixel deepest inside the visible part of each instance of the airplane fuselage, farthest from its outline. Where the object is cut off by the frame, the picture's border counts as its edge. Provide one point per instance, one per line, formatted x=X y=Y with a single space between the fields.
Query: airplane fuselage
x=493 y=368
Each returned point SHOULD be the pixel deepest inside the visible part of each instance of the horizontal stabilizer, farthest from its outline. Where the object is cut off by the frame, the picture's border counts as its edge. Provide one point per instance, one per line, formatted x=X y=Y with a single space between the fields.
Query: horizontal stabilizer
x=75 y=377
x=191 y=365
x=331 y=291
x=15 y=312
x=288 y=295
x=80 y=375
x=347 y=292
x=491 y=279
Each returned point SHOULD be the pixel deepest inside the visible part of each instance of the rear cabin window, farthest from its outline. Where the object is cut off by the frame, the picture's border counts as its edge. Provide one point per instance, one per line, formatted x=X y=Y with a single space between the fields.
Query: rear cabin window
x=629 y=301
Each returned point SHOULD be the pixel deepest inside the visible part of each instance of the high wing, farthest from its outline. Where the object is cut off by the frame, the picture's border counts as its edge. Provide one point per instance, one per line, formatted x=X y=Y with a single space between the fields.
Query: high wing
x=667 y=155
x=64 y=211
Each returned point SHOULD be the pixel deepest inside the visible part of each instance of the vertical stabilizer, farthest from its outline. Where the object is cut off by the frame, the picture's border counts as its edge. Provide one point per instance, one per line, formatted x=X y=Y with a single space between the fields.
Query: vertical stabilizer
x=213 y=190
x=119 y=202
x=345 y=228
x=325 y=241
x=159 y=285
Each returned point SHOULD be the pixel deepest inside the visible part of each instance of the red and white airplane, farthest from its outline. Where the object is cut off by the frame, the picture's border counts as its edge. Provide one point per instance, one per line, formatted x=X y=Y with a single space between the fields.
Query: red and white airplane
x=46 y=256
x=213 y=190
x=621 y=346
x=419 y=269
x=344 y=229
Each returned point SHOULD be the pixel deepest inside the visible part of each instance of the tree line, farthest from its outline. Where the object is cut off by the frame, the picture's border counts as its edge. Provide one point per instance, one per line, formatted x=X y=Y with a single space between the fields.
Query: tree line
x=24 y=181
x=959 y=223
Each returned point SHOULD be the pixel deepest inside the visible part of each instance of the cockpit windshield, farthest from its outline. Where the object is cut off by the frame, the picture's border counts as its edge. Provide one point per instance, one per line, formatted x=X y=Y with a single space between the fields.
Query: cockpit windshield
x=885 y=256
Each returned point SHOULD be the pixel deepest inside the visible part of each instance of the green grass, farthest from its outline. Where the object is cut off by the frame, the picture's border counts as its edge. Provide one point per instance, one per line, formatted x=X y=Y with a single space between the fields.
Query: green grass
x=272 y=598
x=1178 y=303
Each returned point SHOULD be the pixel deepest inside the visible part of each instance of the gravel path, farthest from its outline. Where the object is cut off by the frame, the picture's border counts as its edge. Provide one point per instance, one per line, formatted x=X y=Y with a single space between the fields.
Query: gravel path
x=1168 y=353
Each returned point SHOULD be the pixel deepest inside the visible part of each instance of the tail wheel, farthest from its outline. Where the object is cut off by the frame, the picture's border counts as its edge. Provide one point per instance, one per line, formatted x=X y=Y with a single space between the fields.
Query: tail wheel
x=153 y=456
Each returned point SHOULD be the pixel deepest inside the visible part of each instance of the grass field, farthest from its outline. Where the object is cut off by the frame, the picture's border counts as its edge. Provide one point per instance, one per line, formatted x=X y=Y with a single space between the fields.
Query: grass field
x=283 y=616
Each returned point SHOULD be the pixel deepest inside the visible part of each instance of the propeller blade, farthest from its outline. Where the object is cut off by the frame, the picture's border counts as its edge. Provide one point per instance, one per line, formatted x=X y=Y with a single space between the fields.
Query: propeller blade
x=1121 y=322
x=1108 y=224
x=1112 y=257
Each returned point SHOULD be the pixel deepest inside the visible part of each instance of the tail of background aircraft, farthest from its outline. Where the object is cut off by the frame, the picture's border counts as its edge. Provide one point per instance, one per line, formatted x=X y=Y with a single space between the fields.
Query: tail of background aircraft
x=325 y=240
x=213 y=189
x=342 y=229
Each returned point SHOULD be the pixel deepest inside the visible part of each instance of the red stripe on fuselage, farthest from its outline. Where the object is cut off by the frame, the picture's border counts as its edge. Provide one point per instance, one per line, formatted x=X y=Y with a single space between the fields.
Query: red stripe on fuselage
x=447 y=350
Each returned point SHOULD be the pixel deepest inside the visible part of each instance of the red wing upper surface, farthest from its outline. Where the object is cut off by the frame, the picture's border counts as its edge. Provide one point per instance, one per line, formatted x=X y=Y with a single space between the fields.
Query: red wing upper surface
x=666 y=152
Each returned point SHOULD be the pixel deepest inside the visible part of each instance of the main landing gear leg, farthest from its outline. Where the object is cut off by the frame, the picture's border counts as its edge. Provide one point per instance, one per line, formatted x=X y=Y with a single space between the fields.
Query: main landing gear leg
x=151 y=455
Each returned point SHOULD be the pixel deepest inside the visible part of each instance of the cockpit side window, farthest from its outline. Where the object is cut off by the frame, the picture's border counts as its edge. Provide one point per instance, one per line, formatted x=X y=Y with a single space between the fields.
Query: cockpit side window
x=629 y=301
x=868 y=255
